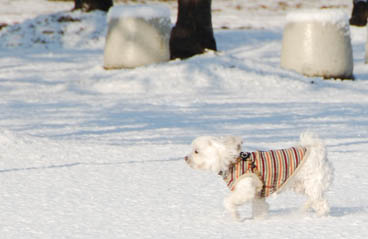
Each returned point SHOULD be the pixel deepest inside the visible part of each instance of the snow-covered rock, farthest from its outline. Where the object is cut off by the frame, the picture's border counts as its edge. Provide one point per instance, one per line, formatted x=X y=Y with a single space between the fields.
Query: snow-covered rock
x=137 y=35
x=317 y=43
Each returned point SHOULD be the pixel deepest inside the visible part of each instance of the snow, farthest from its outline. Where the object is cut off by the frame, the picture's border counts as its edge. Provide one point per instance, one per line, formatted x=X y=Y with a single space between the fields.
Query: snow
x=60 y=29
x=90 y=153
x=336 y=17
x=16 y=11
x=145 y=11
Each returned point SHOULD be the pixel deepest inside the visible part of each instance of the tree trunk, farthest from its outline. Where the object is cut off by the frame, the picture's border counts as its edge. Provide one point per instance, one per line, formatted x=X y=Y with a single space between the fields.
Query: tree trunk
x=193 y=31
x=359 y=13
x=90 y=5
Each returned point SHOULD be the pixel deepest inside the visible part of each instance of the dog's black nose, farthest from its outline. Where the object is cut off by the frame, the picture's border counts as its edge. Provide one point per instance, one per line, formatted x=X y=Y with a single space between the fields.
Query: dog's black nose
x=186 y=158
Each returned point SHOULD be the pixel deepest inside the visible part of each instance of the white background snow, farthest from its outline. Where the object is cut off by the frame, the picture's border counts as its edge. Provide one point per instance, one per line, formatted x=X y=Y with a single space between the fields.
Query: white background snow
x=90 y=153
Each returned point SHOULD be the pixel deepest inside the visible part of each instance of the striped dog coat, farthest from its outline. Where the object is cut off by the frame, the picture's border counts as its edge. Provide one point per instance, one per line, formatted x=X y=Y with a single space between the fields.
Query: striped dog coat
x=273 y=168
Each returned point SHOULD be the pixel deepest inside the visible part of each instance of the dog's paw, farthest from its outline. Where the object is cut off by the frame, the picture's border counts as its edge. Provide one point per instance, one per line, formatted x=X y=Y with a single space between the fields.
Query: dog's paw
x=260 y=216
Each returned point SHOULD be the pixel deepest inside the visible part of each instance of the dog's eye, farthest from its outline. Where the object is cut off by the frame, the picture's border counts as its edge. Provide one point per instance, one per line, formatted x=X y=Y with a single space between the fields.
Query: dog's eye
x=196 y=151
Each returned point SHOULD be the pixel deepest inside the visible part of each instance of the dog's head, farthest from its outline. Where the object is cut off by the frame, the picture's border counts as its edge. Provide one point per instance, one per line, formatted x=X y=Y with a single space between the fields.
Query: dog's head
x=214 y=153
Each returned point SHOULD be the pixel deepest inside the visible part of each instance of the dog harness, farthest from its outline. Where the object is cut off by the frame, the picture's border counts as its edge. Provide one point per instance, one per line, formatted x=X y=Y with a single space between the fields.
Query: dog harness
x=273 y=168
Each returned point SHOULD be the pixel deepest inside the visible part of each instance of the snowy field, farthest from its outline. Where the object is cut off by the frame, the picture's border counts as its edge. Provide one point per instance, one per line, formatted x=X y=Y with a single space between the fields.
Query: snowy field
x=90 y=153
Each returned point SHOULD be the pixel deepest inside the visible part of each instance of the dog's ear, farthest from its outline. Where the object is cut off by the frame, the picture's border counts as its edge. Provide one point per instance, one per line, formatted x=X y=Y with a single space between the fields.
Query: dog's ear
x=233 y=141
x=209 y=142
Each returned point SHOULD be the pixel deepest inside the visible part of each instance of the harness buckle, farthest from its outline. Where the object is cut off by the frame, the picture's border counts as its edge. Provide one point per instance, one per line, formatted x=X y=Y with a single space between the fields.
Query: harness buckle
x=244 y=156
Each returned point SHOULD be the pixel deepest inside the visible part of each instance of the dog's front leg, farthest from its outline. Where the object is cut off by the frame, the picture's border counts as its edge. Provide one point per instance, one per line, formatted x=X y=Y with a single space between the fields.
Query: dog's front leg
x=259 y=208
x=231 y=206
x=245 y=191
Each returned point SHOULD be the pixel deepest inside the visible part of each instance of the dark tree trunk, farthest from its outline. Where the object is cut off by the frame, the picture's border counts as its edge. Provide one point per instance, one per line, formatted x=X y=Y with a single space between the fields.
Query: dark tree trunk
x=359 y=13
x=193 y=31
x=90 y=5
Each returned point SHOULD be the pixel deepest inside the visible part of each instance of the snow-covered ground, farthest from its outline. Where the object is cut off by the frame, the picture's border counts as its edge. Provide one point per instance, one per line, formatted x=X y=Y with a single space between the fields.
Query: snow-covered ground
x=90 y=153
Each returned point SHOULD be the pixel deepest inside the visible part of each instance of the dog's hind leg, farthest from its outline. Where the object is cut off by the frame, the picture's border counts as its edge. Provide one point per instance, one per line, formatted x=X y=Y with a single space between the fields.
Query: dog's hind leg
x=318 y=204
x=245 y=191
x=315 y=175
x=321 y=207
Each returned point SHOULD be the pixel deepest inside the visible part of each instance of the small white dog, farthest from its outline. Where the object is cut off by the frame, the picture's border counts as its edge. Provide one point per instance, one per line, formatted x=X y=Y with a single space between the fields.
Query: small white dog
x=253 y=176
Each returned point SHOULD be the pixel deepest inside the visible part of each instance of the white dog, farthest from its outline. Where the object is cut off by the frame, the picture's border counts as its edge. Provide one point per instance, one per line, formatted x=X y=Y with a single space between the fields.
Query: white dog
x=253 y=176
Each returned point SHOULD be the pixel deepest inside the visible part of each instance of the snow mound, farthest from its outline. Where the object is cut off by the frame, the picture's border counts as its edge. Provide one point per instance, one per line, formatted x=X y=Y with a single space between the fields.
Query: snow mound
x=146 y=11
x=324 y=16
x=58 y=30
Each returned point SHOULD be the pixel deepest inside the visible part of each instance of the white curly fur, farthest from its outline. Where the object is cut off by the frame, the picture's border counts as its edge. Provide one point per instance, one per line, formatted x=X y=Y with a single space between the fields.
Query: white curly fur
x=312 y=178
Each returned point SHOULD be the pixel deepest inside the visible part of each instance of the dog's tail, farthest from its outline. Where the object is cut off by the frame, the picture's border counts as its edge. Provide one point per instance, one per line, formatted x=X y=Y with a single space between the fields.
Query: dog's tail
x=311 y=139
x=316 y=149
